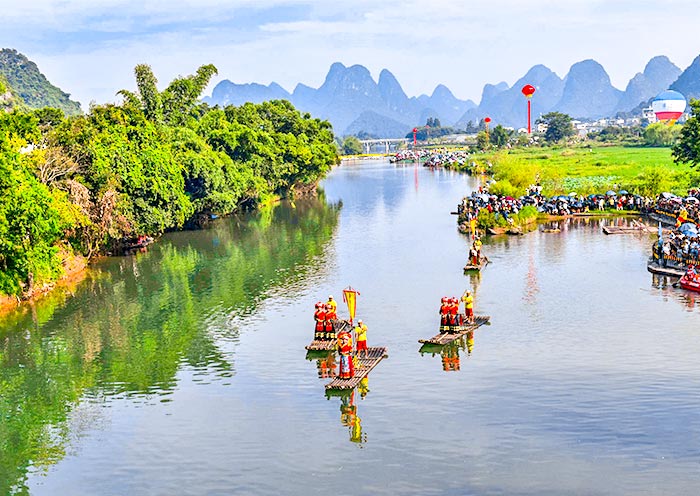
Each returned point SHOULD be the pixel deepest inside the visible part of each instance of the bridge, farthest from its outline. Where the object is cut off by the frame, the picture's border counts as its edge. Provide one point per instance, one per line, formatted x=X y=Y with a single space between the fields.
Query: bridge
x=388 y=143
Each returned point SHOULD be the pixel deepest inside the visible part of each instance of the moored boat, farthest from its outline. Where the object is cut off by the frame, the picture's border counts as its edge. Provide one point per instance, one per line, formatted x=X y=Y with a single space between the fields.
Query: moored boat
x=689 y=284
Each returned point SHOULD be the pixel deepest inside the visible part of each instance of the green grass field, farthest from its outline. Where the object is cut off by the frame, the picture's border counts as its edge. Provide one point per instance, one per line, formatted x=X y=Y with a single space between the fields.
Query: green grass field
x=587 y=170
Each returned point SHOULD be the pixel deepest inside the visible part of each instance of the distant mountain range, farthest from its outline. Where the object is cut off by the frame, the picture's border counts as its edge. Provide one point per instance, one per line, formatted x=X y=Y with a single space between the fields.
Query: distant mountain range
x=354 y=103
x=25 y=82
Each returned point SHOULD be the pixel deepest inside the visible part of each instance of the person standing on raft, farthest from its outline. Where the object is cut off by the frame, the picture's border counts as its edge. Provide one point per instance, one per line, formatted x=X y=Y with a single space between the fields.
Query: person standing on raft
x=443 y=313
x=346 y=369
x=468 y=300
x=454 y=310
x=332 y=303
x=320 y=318
x=361 y=334
x=330 y=317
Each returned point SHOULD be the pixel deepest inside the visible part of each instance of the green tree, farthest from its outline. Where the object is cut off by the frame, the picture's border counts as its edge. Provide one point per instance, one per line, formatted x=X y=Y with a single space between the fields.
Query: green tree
x=352 y=146
x=499 y=136
x=482 y=140
x=558 y=125
x=31 y=220
x=661 y=134
x=687 y=149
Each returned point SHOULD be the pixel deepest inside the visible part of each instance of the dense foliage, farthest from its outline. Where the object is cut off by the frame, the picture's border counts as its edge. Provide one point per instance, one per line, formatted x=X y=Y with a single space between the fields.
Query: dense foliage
x=31 y=85
x=559 y=126
x=159 y=161
x=687 y=149
x=351 y=146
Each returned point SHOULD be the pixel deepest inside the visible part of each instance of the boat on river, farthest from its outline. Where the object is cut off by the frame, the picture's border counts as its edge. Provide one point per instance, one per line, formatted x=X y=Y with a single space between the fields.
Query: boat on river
x=363 y=366
x=478 y=266
x=689 y=284
x=450 y=333
x=635 y=228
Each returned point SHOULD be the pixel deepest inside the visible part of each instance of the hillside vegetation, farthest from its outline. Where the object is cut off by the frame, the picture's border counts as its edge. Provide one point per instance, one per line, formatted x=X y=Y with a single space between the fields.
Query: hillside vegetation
x=160 y=161
x=29 y=84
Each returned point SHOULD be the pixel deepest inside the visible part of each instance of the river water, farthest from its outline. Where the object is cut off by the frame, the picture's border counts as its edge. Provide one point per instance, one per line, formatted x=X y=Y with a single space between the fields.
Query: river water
x=183 y=371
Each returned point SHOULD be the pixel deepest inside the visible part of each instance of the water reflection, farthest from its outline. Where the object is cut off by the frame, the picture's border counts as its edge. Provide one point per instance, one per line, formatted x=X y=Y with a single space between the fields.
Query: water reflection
x=450 y=353
x=137 y=321
x=326 y=363
x=349 y=416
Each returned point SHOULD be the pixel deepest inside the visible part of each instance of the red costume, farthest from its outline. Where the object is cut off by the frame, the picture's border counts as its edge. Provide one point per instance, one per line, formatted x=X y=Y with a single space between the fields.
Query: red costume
x=347 y=367
x=320 y=318
x=330 y=317
x=454 y=310
x=443 y=312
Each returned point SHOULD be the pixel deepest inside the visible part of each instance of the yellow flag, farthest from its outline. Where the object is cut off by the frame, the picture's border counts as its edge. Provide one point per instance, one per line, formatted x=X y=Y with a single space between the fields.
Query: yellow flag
x=350 y=297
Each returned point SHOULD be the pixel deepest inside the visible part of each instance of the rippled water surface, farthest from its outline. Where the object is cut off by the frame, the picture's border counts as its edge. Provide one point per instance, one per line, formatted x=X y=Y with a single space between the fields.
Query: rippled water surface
x=183 y=370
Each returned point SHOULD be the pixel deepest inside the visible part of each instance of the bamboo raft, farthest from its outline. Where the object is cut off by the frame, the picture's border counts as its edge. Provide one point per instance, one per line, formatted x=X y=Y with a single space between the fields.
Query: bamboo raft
x=330 y=344
x=364 y=365
x=629 y=229
x=482 y=263
x=457 y=331
x=322 y=345
x=670 y=271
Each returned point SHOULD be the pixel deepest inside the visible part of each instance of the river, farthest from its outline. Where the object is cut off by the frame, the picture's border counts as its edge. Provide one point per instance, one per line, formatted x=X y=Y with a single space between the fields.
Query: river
x=182 y=370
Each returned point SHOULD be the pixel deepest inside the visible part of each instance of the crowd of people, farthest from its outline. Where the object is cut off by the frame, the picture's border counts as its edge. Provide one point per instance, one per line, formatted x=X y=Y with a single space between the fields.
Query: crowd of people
x=325 y=317
x=507 y=206
x=681 y=248
x=434 y=157
x=674 y=207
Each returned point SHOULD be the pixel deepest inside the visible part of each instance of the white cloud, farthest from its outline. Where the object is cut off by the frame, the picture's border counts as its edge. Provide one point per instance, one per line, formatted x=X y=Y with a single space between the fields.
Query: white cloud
x=461 y=44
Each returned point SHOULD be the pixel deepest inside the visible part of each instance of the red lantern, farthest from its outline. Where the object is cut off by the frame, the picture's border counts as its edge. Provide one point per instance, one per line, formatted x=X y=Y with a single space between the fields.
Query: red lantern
x=487 y=120
x=415 y=130
x=528 y=90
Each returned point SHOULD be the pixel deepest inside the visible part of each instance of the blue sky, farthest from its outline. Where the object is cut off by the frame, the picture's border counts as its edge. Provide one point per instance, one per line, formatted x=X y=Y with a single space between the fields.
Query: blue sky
x=89 y=48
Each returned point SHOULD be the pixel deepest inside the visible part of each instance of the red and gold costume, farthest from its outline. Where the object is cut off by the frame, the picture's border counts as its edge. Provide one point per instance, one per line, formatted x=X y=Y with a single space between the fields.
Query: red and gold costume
x=347 y=367
x=444 y=311
x=330 y=317
x=454 y=310
x=320 y=318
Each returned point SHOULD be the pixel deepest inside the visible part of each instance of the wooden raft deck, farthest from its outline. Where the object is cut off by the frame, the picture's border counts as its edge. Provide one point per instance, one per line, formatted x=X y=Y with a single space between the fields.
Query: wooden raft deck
x=330 y=344
x=365 y=364
x=630 y=230
x=655 y=268
x=318 y=345
x=448 y=337
x=482 y=263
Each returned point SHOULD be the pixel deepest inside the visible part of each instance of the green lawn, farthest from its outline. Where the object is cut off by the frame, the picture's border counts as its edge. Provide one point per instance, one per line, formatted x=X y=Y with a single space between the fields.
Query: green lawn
x=588 y=170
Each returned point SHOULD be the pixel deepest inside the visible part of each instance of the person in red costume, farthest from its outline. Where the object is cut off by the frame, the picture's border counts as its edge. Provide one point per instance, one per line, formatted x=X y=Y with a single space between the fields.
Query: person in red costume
x=347 y=368
x=443 y=313
x=330 y=317
x=454 y=310
x=320 y=318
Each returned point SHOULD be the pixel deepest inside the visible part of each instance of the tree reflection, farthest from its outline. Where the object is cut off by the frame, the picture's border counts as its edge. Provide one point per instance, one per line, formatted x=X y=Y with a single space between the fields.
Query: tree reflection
x=132 y=326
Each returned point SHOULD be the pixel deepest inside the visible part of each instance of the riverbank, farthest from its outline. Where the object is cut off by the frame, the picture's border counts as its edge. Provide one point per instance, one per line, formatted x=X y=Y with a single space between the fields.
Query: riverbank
x=75 y=268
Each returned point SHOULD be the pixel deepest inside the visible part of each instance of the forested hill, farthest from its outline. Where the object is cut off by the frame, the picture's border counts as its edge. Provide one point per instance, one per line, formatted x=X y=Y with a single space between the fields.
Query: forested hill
x=8 y=98
x=29 y=84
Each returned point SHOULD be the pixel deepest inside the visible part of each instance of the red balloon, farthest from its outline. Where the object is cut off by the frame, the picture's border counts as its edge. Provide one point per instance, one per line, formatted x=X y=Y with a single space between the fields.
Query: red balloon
x=487 y=119
x=528 y=90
